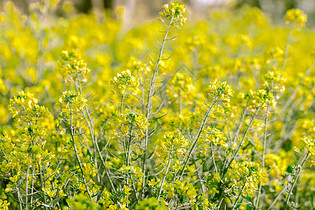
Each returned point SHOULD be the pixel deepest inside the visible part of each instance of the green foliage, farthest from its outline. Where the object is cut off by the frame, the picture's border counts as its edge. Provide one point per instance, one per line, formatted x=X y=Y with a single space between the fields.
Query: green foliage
x=150 y=204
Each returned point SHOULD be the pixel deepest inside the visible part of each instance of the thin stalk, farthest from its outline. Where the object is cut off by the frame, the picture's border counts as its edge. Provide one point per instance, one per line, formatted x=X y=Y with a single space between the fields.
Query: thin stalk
x=199 y=175
x=77 y=155
x=228 y=127
x=149 y=101
x=26 y=188
x=88 y=120
x=180 y=101
x=278 y=196
x=32 y=188
x=239 y=195
x=105 y=168
x=20 y=198
x=220 y=202
x=203 y=122
x=166 y=172
x=286 y=51
x=122 y=105
x=286 y=122
x=236 y=133
x=296 y=178
x=134 y=188
x=42 y=182
x=240 y=125
x=128 y=162
x=213 y=160
x=241 y=143
x=263 y=153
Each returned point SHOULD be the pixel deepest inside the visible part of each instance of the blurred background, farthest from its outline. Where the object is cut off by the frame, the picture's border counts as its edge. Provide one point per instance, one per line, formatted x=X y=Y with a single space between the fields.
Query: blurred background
x=143 y=10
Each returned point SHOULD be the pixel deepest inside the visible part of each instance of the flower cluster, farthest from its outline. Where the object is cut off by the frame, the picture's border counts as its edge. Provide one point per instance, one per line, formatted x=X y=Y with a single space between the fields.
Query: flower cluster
x=72 y=105
x=174 y=13
x=136 y=66
x=260 y=98
x=278 y=163
x=172 y=142
x=25 y=109
x=124 y=82
x=274 y=81
x=182 y=190
x=296 y=15
x=193 y=43
x=181 y=85
x=72 y=101
x=220 y=90
x=72 y=67
x=132 y=123
x=246 y=177
x=215 y=136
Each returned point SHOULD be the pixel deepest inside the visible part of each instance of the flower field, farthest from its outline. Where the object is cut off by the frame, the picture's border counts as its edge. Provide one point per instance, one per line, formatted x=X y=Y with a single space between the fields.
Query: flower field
x=173 y=114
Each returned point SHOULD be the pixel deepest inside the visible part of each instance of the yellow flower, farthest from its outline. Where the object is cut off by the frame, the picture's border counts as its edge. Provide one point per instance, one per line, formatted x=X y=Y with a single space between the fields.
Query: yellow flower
x=174 y=13
x=72 y=67
x=296 y=15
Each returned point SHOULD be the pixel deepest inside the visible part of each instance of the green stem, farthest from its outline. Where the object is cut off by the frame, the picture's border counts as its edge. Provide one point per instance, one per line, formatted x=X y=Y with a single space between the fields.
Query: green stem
x=239 y=195
x=26 y=188
x=20 y=198
x=204 y=120
x=180 y=101
x=128 y=162
x=213 y=160
x=236 y=133
x=122 y=105
x=149 y=102
x=278 y=196
x=241 y=143
x=286 y=52
x=166 y=172
x=77 y=155
x=296 y=177
x=42 y=181
x=263 y=155
x=88 y=121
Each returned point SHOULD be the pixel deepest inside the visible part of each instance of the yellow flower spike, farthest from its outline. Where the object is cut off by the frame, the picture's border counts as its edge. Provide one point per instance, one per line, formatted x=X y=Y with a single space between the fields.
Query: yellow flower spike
x=175 y=13
x=125 y=83
x=72 y=67
x=296 y=15
x=220 y=90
